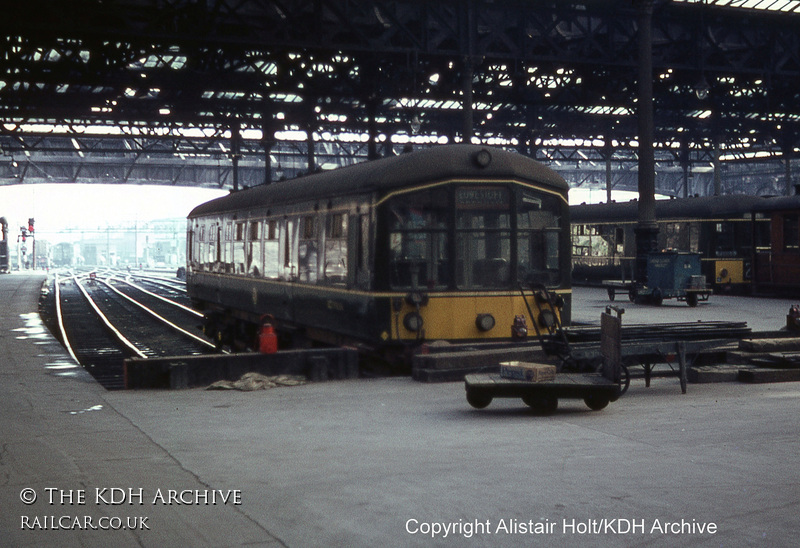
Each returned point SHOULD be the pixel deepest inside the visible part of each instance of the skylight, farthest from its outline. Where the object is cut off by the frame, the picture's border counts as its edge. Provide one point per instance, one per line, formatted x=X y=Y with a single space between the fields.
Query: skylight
x=792 y=6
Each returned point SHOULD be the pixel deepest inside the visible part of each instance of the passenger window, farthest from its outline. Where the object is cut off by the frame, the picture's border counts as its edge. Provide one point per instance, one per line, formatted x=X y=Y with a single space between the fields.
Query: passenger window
x=791 y=238
x=289 y=248
x=272 y=260
x=254 y=259
x=226 y=244
x=336 y=249
x=238 y=250
x=307 y=250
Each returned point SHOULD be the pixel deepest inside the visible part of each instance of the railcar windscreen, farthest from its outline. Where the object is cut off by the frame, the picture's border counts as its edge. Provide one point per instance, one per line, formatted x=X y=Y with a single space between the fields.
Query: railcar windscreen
x=418 y=240
x=488 y=252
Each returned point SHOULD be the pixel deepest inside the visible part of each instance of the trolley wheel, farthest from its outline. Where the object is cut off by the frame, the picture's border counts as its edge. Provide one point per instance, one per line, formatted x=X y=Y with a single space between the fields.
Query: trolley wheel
x=543 y=405
x=611 y=293
x=624 y=379
x=596 y=402
x=658 y=297
x=477 y=399
x=691 y=299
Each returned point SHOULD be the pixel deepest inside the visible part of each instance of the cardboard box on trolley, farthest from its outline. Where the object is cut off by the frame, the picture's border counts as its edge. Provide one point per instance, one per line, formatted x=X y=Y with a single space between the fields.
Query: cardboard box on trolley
x=527 y=371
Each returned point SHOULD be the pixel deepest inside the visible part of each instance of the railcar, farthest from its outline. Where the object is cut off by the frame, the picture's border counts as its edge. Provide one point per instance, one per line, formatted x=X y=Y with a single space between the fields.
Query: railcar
x=387 y=254
x=747 y=243
x=776 y=249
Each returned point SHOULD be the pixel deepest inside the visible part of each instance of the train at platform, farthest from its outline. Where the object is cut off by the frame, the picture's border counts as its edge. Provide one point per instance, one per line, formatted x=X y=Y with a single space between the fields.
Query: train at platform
x=385 y=255
x=747 y=244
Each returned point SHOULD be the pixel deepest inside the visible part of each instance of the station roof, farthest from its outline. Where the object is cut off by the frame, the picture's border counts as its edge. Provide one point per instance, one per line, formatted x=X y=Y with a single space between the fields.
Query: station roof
x=766 y=5
x=165 y=86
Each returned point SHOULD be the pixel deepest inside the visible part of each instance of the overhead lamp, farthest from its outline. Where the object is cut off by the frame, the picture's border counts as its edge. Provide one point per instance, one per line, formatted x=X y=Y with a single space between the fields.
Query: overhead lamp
x=701 y=88
x=415 y=124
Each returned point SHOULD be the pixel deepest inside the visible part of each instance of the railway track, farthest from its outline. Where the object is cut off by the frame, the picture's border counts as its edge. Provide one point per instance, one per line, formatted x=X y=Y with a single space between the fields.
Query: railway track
x=104 y=319
x=172 y=287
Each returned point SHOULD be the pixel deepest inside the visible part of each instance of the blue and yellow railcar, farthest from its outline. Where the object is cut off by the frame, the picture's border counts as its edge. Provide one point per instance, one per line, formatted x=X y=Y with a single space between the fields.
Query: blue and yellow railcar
x=388 y=254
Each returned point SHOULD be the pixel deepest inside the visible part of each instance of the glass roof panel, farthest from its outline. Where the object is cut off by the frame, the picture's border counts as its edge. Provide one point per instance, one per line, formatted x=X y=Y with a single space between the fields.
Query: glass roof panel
x=792 y=6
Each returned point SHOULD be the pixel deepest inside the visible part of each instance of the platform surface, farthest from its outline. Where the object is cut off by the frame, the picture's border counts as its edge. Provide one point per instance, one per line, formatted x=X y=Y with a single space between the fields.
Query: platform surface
x=387 y=461
x=761 y=314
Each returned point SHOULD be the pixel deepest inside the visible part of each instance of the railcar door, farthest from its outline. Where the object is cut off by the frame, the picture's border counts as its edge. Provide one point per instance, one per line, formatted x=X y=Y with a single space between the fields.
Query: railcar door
x=288 y=250
x=363 y=249
x=287 y=257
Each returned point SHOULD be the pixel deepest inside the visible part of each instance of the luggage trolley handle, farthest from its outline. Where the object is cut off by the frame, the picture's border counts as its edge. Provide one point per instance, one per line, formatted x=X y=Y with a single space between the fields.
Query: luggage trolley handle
x=549 y=345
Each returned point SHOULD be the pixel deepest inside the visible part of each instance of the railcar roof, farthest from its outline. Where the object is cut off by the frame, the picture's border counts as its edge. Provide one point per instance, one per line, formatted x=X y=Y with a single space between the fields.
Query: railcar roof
x=705 y=207
x=777 y=203
x=429 y=165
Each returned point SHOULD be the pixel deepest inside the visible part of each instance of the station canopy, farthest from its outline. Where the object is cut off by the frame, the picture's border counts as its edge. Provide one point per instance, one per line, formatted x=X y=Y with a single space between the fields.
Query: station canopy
x=242 y=92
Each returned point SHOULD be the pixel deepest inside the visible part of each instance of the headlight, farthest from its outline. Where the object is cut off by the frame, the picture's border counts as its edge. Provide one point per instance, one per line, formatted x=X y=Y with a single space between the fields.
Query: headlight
x=413 y=322
x=484 y=322
x=547 y=319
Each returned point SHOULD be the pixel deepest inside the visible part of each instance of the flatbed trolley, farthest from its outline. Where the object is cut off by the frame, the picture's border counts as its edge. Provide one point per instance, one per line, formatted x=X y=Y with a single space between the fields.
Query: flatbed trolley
x=613 y=287
x=670 y=275
x=597 y=389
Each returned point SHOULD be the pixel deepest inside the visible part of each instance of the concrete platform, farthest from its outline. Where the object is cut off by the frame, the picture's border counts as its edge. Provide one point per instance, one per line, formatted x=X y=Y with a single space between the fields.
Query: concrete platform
x=386 y=461
x=761 y=314
x=62 y=440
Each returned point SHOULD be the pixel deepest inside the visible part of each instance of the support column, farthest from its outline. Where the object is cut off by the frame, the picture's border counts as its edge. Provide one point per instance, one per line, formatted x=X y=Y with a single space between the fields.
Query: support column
x=268 y=142
x=372 y=129
x=236 y=152
x=717 y=172
x=466 y=88
x=787 y=165
x=310 y=147
x=685 y=167
x=608 y=152
x=646 y=227
x=468 y=37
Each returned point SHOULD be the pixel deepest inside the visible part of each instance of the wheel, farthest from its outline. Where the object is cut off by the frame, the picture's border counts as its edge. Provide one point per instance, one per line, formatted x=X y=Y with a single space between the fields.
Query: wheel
x=691 y=299
x=611 y=294
x=624 y=379
x=658 y=297
x=478 y=400
x=596 y=402
x=543 y=405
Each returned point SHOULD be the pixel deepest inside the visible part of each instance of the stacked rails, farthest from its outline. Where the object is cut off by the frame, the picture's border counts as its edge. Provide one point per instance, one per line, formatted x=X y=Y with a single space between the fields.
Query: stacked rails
x=685 y=331
x=708 y=342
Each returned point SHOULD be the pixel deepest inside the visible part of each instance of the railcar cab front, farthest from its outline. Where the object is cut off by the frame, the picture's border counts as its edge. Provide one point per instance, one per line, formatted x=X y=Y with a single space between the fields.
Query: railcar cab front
x=454 y=255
